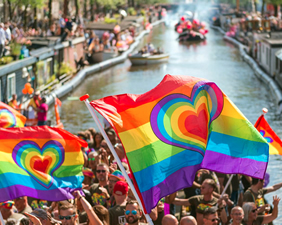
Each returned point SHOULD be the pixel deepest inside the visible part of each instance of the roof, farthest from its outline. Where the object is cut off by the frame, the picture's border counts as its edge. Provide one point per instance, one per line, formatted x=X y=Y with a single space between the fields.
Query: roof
x=278 y=54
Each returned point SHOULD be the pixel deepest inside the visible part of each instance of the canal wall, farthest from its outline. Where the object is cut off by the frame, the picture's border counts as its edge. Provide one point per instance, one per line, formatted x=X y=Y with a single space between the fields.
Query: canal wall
x=261 y=75
x=82 y=74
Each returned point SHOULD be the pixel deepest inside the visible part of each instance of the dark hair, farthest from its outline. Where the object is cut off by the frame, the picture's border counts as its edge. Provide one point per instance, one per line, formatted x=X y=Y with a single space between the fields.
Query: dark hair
x=255 y=181
x=102 y=213
x=210 y=211
x=43 y=99
x=24 y=221
x=132 y=202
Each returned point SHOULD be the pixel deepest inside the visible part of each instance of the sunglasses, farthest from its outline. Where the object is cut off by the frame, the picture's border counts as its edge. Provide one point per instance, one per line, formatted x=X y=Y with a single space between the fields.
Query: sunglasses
x=101 y=171
x=215 y=219
x=91 y=159
x=66 y=217
x=127 y=212
x=254 y=210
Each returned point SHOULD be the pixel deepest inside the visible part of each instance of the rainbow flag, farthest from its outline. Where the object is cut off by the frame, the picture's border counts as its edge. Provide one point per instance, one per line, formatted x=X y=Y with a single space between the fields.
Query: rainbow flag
x=40 y=162
x=275 y=143
x=10 y=117
x=180 y=126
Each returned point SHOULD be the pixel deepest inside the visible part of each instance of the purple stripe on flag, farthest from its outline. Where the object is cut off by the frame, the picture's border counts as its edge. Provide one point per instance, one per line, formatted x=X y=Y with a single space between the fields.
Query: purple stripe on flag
x=51 y=195
x=180 y=179
x=227 y=164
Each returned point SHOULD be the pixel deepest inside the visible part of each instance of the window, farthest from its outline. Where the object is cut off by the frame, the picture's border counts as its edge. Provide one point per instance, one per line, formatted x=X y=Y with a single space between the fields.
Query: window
x=11 y=87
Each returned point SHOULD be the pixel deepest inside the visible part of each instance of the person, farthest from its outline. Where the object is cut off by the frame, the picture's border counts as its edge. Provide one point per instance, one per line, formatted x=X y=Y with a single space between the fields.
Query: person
x=22 y=205
x=6 y=209
x=117 y=212
x=188 y=220
x=67 y=214
x=210 y=216
x=41 y=217
x=99 y=191
x=97 y=140
x=251 y=216
x=42 y=112
x=2 y=39
x=133 y=213
x=237 y=215
x=102 y=213
x=169 y=220
x=256 y=194
x=203 y=201
x=113 y=179
x=13 y=103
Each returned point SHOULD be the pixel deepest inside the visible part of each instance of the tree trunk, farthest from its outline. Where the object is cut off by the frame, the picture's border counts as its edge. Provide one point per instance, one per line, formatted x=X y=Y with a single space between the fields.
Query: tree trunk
x=85 y=9
x=262 y=8
x=132 y=3
x=10 y=9
x=25 y=16
x=275 y=10
x=92 y=9
x=255 y=5
x=35 y=18
x=238 y=5
x=50 y=12
x=66 y=6
x=76 y=9
x=4 y=9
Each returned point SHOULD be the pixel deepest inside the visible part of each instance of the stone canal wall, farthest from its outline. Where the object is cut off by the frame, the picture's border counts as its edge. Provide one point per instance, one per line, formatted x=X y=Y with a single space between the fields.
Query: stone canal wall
x=261 y=75
x=81 y=75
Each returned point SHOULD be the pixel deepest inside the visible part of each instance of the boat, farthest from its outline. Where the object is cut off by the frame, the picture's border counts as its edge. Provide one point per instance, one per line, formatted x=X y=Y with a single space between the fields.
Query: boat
x=191 y=36
x=98 y=57
x=146 y=59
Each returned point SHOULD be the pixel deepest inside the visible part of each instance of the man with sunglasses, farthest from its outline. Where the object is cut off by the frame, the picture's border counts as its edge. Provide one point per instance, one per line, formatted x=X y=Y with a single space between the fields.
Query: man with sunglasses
x=133 y=213
x=120 y=193
x=99 y=191
x=67 y=214
x=210 y=216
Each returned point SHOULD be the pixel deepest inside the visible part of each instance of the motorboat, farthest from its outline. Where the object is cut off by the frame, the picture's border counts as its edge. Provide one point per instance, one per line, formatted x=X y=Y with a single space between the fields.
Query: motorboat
x=147 y=58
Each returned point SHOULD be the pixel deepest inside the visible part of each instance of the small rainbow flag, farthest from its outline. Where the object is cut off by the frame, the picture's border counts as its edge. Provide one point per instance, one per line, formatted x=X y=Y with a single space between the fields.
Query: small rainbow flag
x=10 y=117
x=275 y=143
x=180 y=126
x=40 y=162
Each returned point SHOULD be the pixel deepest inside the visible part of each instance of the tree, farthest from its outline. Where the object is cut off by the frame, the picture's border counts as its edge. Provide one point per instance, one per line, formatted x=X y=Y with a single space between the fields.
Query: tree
x=275 y=3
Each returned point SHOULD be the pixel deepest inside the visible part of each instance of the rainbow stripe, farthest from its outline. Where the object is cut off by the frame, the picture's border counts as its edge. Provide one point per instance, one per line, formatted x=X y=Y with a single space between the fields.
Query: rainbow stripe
x=180 y=126
x=10 y=117
x=40 y=162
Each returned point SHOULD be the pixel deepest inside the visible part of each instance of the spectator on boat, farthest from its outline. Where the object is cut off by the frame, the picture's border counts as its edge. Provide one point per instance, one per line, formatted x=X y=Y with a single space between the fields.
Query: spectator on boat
x=97 y=139
x=51 y=31
x=2 y=39
x=22 y=205
x=34 y=103
x=13 y=103
x=98 y=47
x=251 y=213
x=237 y=215
x=42 y=111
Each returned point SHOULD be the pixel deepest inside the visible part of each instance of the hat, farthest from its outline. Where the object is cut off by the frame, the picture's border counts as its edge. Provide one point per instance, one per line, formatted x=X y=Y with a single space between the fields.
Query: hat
x=41 y=213
x=117 y=174
x=37 y=92
x=88 y=172
x=7 y=204
x=120 y=188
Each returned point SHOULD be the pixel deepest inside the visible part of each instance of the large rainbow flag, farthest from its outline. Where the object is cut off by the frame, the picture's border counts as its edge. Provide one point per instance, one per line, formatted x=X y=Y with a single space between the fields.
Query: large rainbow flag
x=40 y=162
x=275 y=143
x=10 y=117
x=180 y=126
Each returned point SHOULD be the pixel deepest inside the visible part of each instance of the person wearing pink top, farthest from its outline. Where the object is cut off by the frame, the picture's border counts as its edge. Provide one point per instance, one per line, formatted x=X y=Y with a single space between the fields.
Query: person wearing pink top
x=42 y=112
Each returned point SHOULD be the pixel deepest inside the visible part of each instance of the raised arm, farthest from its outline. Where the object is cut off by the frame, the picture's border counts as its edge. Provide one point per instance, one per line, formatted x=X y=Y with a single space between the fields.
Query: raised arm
x=270 y=217
x=273 y=188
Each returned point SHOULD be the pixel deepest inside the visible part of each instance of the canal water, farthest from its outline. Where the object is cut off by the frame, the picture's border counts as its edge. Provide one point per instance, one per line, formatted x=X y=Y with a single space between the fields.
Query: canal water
x=214 y=59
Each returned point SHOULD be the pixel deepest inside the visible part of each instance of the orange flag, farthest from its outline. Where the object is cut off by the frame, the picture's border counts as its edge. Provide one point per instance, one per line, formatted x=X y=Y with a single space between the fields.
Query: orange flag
x=275 y=143
x=10 y=117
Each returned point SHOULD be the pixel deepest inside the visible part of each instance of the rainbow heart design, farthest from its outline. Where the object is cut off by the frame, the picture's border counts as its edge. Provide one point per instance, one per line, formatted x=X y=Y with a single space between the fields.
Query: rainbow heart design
x=39 y=163
x=7 y=118
x=184 y=121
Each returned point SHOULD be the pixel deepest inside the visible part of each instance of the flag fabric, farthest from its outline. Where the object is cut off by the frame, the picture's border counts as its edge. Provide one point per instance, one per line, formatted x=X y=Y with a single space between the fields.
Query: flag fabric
x=40 y=162
x=10 y=117
x=275 y=143
x=180 y=126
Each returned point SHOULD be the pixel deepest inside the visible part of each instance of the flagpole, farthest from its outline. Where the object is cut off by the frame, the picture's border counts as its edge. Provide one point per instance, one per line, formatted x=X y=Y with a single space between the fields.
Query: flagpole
x=97 y=121
x=226 y=186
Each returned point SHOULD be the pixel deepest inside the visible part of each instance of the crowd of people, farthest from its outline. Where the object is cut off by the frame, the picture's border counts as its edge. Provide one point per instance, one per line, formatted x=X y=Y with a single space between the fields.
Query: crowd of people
x=108 y=200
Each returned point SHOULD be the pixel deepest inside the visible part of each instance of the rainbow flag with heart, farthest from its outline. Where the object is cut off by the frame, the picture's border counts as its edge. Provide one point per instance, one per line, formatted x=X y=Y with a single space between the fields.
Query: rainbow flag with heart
x=10 y=117
x=180 y=126
x=40 y=162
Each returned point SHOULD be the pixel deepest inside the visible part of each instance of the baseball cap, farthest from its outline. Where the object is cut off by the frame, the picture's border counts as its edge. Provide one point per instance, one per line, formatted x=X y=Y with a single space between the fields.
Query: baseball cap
x=117 y=174
x=120 y=188
x=41 y=213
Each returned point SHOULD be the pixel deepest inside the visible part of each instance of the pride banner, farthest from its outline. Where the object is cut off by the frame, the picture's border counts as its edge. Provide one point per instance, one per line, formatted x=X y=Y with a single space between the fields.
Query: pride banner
x=275 y=143
x=180 y=126
x=10 y=117
x=40 y=162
